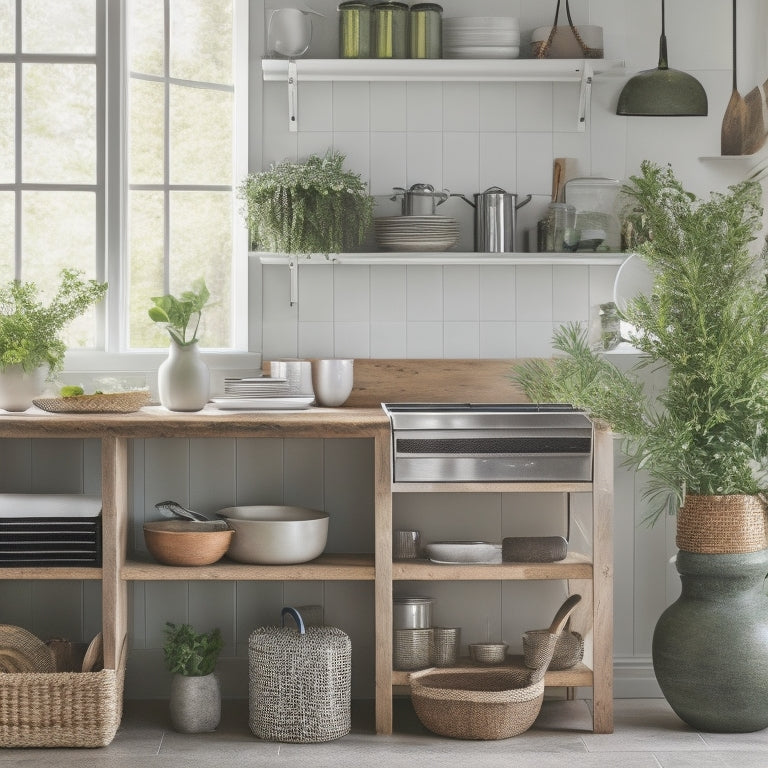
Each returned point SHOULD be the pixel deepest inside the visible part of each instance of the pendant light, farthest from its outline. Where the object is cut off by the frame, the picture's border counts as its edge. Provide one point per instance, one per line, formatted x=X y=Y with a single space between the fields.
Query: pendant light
x=662 y=92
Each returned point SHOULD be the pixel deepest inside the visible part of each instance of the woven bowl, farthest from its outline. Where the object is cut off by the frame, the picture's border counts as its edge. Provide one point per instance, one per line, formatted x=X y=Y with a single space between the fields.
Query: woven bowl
x=178 y=542
x=569 y=649
x=488 y=653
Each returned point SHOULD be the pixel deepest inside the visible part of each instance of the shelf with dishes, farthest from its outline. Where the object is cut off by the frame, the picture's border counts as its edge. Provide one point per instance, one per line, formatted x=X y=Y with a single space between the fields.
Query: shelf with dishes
x=446 y=258
x=49 y=573
x=574 y=566
x=576 y=676
x=327 y=567
x=582 y=71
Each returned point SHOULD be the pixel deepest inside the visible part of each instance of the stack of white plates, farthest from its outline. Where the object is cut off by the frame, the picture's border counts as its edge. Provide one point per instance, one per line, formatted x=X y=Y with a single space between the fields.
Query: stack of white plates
x=481 y=37
x=263 y=386
x=416 y=233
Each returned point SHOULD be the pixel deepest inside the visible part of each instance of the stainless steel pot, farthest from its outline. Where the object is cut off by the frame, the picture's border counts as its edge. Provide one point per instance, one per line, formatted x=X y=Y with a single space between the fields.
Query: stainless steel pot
x=411 y=612
x=420 y=199
x=495 y=219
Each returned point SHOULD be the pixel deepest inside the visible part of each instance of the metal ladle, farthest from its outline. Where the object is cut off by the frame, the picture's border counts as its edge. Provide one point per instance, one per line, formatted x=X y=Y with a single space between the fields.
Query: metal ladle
x=174 y=509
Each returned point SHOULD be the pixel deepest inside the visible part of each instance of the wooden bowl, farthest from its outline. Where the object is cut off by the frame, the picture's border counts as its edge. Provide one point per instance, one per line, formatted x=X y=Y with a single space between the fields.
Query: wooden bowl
x=178 y=542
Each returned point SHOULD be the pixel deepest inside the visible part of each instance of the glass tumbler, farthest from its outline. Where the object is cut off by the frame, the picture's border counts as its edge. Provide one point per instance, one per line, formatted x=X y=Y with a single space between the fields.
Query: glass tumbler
x=390 y=30
x=426 y=25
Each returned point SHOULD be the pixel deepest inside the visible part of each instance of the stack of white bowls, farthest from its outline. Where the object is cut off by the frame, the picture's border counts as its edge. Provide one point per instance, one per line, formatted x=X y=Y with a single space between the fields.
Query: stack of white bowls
x=481 y=37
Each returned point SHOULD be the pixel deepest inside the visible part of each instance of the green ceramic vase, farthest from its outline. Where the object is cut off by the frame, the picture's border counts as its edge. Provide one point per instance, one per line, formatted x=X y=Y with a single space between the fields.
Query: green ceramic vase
x=710 y=647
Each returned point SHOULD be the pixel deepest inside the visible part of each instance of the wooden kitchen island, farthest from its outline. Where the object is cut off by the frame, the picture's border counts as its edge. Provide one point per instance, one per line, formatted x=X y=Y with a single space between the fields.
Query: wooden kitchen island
x=360 y=419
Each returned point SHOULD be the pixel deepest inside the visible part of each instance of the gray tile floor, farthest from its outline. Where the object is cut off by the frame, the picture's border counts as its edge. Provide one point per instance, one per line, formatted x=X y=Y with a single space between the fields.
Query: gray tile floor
x=647 y=735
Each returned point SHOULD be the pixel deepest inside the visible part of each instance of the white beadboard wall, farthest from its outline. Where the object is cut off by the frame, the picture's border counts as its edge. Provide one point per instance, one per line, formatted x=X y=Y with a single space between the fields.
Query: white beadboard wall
x=464 y=137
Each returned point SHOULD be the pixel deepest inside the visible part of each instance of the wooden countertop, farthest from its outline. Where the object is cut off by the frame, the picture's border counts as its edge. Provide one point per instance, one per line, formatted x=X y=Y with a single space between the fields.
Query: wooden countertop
x=155 y=421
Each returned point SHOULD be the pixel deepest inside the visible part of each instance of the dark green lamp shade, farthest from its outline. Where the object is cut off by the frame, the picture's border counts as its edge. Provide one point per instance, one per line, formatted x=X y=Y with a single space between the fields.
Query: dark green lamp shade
x=663 y=92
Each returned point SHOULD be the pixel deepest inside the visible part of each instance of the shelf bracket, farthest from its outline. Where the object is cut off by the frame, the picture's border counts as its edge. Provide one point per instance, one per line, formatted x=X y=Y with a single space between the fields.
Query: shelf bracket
x=585 y=93
x=293 y=96
x=293 y=274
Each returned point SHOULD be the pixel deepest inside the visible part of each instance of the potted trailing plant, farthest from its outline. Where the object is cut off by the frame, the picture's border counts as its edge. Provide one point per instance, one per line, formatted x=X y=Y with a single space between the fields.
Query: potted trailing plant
x=191 y=656
x=703 y=440
x=183 y=379
x=312 y=207
x=31 y=346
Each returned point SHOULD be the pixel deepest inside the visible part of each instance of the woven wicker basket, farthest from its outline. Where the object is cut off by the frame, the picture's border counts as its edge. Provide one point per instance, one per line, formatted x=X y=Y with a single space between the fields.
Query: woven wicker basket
x=722 y=524
x=485 y=703
x=61 y=709
x=569 y=649
x=109 y=402
x=299 y=683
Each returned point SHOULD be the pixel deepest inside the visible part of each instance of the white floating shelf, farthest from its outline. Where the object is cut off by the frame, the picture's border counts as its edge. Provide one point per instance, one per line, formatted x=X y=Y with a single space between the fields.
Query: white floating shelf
x=295 y=71
x=538 y=70
x=754 y=166
x=444 y=258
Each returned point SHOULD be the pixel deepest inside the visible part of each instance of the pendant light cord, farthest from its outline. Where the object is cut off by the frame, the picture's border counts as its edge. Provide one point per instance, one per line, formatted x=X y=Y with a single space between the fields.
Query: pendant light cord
x=733 y=46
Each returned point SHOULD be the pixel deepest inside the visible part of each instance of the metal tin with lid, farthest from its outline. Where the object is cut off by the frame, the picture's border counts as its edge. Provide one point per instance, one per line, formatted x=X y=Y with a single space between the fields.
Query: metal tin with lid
x=426 y=31
x=355 y=26
x=390 y=30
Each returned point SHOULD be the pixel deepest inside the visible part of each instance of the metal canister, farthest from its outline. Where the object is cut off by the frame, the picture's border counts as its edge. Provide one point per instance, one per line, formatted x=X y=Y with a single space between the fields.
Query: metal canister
x=355 y=21
x=390 y=30
x=426 y=23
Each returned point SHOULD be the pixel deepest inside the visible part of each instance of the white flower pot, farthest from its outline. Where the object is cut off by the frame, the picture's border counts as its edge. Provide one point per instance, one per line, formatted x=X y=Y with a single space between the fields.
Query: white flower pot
x=18 y=387
x=195 y=703
x=183 y=379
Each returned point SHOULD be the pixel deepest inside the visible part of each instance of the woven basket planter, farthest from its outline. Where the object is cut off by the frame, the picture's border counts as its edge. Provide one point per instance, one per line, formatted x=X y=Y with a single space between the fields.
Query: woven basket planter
x=722 y=524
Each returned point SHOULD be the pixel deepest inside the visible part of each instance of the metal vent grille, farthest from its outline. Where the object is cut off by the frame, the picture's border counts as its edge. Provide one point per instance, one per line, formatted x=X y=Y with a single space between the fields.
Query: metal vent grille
x=494 y=445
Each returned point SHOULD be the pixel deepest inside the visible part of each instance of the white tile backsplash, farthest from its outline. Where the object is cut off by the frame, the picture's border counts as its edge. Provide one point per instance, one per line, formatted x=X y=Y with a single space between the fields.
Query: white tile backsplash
x=424 y=159
x=497 y=294
x=315 y=283
x=461 y=294
x=570 y=293
x=534 y=107
x=388 y=161
x=534 y=163
x=497 y=106
x=388 y=340
x=424 y=106
x=388 y=294
x=461 y=107
x=388 y=107
x=497 y=340
x=315 y=339
x=424 y=294
x=351 y=339
x=461 y=153
x=534 y=339
x=461 y=340
x=533 y=292
x=352 y=296
x=497 y=165
x=351 y=106
x=316 y=103
x=424 y=339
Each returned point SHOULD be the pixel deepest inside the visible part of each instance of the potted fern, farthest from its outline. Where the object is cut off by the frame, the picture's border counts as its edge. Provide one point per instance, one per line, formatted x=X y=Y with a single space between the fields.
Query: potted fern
x=191 y=656
x=312 y=207
x=703 y=441
x=31 y=343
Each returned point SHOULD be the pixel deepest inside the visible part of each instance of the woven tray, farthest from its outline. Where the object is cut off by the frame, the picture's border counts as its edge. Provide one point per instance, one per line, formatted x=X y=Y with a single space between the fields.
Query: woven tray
x=113 y=402
x=61 y=709
x=21 y=651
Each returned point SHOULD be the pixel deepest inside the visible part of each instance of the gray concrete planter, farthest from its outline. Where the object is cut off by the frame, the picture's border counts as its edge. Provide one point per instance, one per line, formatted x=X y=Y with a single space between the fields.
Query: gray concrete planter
x=195 y=703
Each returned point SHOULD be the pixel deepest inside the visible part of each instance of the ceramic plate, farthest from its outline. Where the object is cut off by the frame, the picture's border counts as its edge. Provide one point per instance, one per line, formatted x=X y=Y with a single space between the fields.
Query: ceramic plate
x=262 y=403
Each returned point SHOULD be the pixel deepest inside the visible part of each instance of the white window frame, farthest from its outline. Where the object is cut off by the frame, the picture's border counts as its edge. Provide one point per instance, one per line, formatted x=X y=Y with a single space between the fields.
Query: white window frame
x=116 y=356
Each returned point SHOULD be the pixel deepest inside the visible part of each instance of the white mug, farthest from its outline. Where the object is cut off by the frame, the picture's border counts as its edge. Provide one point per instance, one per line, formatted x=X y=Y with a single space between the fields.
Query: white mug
x=289 y=32
x=332 y=381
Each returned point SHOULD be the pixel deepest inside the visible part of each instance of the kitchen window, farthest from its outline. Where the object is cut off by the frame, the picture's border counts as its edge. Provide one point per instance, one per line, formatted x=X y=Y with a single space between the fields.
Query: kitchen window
x=118 y=156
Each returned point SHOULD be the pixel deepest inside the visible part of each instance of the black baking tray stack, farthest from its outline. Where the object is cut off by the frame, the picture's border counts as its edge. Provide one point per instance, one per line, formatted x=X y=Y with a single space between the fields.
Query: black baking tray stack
x=50 y=530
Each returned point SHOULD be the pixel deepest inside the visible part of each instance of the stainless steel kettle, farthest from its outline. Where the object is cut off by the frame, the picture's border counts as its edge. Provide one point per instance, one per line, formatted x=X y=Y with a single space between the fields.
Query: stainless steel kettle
x=495 y=219
x=420 y=199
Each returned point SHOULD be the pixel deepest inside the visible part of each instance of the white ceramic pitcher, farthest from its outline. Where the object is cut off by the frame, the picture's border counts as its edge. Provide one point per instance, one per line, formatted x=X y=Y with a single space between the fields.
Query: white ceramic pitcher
x=289 y=31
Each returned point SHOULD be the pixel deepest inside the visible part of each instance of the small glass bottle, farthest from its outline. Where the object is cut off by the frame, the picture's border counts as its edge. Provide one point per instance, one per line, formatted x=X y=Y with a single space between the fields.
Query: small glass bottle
x=390 y=30
x=561 y=235
x=426 y=23
x=355 y=21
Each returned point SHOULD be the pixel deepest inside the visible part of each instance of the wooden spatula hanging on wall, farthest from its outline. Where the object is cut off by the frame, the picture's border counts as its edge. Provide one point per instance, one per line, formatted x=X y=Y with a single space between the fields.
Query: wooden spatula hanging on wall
x=743 y=131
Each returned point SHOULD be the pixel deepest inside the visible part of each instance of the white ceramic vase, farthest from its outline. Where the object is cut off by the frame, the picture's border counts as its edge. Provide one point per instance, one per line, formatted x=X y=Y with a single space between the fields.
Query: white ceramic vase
x=195 y=703
x=18 y=387
x=183 y=379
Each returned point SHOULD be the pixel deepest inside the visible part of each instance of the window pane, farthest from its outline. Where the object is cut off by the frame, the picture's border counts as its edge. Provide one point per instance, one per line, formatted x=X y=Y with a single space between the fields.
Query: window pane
x=7 y=26
x=145 y=144
x=59 y=123
x=145 y=245
x=201 y=246
x=58 y=231
x=200 y=136
x=52 y=26
x=6 y=236
x=7 y=112
x=145 y=36
x=201 y=40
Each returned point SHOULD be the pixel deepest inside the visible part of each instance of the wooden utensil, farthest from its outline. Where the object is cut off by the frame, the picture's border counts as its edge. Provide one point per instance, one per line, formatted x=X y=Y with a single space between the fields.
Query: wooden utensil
x=94 y=656
x=735 y=117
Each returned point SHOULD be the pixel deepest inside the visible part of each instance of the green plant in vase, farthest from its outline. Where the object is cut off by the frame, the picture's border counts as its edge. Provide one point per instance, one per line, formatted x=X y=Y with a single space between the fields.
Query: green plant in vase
x=703 y=439
x=31 y=343
x=312 y=207
x=181 y=316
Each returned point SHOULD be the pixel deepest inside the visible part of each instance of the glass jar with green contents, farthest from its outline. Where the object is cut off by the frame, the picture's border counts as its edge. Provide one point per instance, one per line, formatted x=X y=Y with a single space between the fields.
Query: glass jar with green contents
x=390 y=30
x=426 y=23
x=355 y=19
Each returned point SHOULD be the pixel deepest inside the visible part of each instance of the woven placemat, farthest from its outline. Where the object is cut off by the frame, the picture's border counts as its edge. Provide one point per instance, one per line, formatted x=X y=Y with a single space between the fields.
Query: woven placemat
x=111 y=402
x=21 y=651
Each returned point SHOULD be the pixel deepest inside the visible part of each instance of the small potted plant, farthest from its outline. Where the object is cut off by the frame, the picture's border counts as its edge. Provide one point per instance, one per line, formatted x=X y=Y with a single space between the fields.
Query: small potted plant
x=31 y=346
x=195 y=703
x=183 y=379
x=310 y=207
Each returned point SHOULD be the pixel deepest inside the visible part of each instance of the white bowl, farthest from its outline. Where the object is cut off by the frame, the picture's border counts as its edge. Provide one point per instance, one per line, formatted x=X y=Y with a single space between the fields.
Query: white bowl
x=276 y=535
x=463 y=552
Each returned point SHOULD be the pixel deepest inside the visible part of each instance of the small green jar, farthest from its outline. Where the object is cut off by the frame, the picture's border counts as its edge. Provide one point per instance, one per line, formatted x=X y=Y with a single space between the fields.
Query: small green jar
x=426 y=23
x=355 y=20
x=390 y=30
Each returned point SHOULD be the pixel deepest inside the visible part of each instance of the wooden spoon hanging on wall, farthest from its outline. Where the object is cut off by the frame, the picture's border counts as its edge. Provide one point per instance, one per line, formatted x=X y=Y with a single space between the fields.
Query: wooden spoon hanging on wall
x=744 y=128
